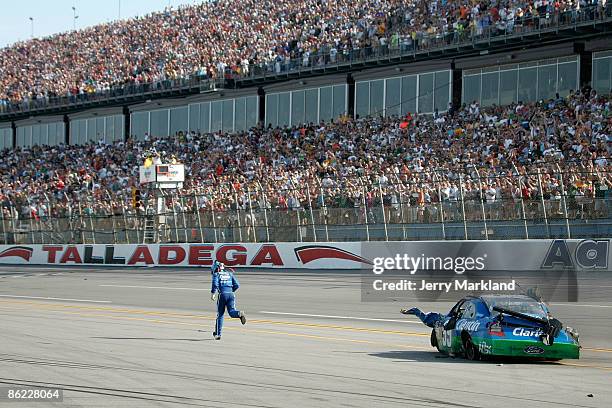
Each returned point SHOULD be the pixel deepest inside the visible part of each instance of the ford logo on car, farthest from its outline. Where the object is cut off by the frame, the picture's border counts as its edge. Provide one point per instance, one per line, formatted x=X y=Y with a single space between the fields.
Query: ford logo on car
x=533 y=350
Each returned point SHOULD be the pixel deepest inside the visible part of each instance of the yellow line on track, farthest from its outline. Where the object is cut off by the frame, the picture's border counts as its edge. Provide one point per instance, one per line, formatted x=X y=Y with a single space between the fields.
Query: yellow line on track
x=275 y=332
x=203 y=317
x=300 y=335
x=55 y=306
x=597 y=349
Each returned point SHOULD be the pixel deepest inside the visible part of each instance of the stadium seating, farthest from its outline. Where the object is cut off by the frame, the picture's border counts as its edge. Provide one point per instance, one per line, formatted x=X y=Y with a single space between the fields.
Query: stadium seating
x=220 y=38
x=554 y=151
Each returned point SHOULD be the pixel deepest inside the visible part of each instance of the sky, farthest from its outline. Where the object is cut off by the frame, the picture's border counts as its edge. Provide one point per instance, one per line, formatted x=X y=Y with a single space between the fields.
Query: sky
x=56 y=16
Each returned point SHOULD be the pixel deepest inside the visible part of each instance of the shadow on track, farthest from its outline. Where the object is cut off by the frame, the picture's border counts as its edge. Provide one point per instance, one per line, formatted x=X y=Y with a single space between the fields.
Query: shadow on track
x=148 y=338
x=433 y=356
x=411 y=355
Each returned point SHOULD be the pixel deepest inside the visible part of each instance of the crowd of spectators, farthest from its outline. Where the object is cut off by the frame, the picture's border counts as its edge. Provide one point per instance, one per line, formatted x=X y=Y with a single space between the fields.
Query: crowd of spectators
x=508 y=158
x=221 y=38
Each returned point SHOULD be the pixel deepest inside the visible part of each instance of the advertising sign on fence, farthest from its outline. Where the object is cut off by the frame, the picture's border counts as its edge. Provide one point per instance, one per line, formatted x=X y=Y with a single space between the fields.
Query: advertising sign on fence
x=519 y=255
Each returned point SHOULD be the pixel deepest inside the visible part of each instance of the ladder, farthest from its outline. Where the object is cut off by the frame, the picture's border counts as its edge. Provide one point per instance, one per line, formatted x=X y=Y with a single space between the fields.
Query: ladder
x=150 y=231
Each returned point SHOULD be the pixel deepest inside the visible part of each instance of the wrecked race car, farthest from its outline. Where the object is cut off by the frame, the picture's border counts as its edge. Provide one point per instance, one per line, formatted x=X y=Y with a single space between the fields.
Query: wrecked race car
x=500 y=325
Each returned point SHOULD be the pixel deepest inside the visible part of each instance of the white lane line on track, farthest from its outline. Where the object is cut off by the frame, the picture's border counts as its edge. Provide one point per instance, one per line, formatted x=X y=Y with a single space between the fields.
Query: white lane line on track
x=574 y=304
x=52 y=298
x=150 y=287
x=339 y=317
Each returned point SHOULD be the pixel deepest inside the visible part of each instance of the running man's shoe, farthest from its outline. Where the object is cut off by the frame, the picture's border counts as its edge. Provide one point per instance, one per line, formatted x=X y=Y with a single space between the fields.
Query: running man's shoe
x=242 y=318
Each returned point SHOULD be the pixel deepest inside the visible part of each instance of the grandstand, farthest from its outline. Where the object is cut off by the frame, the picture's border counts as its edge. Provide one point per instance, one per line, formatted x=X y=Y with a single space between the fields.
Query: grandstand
x=385 y=121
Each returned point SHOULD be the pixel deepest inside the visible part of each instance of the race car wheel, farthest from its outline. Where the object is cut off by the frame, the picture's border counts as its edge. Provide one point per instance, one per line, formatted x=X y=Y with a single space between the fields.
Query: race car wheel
x=434 y=340
x=470 y=350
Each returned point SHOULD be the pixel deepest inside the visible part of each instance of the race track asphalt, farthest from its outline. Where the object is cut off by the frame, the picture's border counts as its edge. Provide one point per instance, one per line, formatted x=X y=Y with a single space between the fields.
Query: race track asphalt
x=142 y=338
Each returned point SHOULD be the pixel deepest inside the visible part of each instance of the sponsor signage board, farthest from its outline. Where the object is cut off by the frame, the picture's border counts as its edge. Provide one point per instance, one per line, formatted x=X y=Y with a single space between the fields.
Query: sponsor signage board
x=458 y=255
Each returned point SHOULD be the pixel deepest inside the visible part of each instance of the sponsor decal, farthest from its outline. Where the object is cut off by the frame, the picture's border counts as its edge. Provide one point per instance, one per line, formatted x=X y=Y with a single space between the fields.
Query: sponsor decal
x=468 y=325
x=589 y=254
x=484 y=348
x=533 y=350
x=309 y=253
x=522 y=332
x=22 y=252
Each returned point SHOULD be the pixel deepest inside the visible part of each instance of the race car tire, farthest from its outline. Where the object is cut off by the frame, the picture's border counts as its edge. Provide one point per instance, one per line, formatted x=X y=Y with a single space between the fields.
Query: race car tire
x=434 y=340
x=470 y=350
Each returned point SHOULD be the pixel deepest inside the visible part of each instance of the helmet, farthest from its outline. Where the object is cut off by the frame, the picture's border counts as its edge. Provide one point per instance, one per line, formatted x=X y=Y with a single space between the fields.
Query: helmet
x=215 y=267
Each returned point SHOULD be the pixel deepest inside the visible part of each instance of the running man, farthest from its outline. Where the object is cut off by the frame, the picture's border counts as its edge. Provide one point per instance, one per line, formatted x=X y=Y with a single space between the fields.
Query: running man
x=224 y=284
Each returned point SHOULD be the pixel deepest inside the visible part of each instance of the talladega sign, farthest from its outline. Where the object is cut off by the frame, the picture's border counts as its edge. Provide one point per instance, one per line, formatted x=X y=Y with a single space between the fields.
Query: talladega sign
x=524 y=255
x=285 y=255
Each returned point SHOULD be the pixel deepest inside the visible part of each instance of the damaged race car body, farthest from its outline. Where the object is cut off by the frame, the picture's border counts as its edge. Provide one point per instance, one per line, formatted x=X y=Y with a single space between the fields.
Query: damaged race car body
x=500 y=325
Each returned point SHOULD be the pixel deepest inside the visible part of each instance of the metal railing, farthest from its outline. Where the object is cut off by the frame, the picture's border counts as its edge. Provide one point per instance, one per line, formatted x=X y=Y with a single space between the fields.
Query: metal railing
x=427 y=43
x=324 y=58
x=118 y=91
x=547 y=203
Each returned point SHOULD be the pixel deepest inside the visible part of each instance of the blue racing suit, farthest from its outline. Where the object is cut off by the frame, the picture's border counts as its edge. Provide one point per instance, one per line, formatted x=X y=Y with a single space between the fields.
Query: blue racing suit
x=429 y=319
x=226 y=284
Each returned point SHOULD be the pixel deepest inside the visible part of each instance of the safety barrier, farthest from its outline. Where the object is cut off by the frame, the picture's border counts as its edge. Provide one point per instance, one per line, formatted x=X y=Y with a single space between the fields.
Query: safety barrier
x=458 y=256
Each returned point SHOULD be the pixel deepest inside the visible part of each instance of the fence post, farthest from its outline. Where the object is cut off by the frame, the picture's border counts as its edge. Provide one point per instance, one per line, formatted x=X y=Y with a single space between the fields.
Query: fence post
x=237 y=213
x=437 y=181
x=69 y=216
x=183 y=207
x=324 y=214
x=91 y=224
x=125 y=224
x=112 y=215
x=14 y=214
x=292 y=195
x=299 y=225
x=174 y=217
x=365 y=210
x=33 y=238
x=137 y=226
x=382 y=206
x=214 y=219
x=48 y=223
x=252 y=216
x=401 y=205
x=40 y=225
x=465 y=231
x=543 y=203
x=567 y=226
x=314 y=230
x=484 y=214
x=4 y=229
x=520 y=184
x=81 y=223
x=265 y=209
x=197 y=210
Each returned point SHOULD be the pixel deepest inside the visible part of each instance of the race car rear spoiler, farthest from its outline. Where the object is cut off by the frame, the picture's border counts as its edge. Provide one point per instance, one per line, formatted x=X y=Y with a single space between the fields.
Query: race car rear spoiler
x=552 y=327
x=519 y=315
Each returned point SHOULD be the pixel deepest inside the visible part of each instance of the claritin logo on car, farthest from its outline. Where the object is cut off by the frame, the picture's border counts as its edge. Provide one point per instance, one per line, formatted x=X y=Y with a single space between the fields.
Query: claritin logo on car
x=520 y=332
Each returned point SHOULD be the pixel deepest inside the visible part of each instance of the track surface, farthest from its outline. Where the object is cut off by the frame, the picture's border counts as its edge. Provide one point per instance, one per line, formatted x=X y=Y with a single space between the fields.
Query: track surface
x=142 y=338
